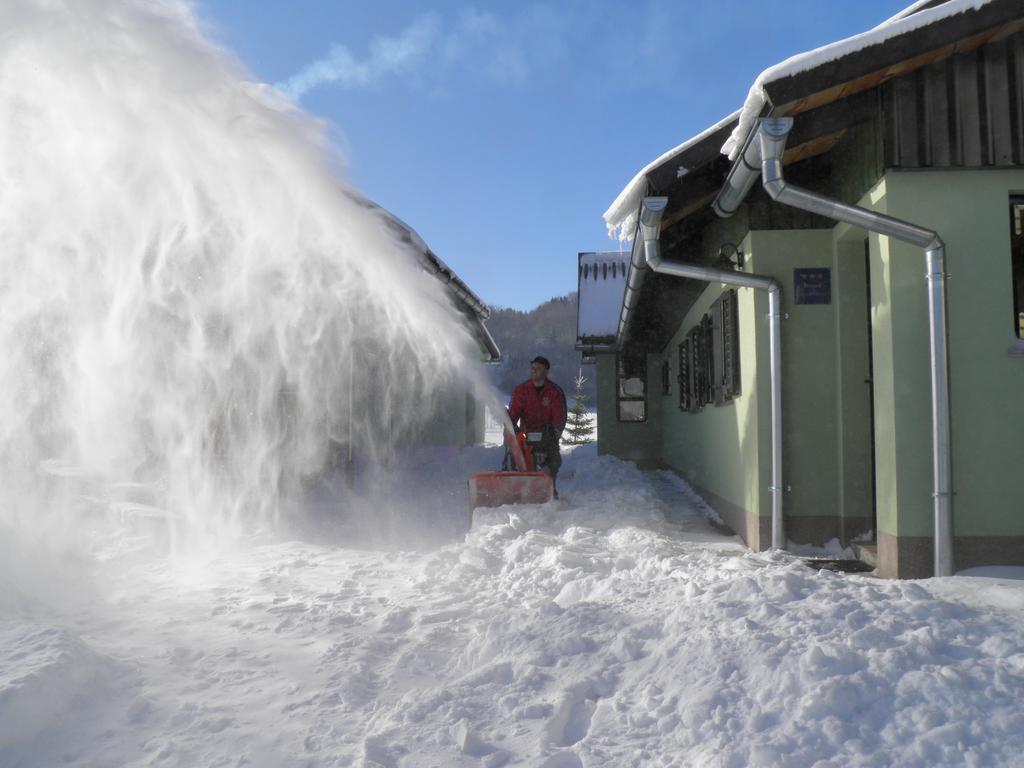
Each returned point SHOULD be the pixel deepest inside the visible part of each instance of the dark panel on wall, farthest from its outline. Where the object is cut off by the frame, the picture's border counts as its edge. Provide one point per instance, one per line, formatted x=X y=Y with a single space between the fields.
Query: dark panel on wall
x=662 y=304
x=964 y=111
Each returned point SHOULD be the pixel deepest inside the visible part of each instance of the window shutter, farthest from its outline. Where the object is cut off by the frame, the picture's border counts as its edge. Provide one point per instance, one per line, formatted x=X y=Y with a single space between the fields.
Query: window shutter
x=708 y=335
x=718 y=393
x=709 y=357
x=730 y=343
x=685 y=375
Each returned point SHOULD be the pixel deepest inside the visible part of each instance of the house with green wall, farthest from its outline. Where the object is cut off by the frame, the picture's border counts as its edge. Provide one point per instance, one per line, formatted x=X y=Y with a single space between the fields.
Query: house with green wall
x=918 y=124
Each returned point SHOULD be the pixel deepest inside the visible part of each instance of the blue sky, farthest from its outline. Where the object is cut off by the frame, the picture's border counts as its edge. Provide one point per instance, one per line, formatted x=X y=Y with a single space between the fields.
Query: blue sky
x=502 y=131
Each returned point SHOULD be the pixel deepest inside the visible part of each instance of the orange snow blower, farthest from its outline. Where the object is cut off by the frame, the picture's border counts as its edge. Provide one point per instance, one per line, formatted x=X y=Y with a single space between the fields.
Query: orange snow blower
x=519 y=482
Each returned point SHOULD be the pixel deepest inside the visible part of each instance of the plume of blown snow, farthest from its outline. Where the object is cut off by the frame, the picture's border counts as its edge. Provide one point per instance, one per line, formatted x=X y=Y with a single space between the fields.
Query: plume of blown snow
x=196 y=311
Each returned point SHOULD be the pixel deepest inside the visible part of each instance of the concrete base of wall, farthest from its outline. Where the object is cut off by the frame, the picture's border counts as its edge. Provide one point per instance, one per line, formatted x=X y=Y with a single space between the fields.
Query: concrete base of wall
x=650 y=464
x=755 y=531
x=911 y=557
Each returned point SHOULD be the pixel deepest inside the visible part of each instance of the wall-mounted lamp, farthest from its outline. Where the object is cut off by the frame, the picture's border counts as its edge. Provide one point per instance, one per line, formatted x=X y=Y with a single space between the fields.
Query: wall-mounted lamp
x=731 y=256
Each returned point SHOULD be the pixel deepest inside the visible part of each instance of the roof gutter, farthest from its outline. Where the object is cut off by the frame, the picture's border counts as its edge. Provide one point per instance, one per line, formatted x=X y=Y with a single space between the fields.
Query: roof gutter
x=652 y=208
x=762 y=154
x=438 y=269
x=649 y=229
x=480 y=311
x=432 y=264
x=490 y=345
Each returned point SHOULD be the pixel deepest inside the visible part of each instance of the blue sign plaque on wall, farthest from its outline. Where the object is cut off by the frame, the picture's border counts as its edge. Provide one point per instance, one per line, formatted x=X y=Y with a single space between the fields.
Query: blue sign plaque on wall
x=812 y=285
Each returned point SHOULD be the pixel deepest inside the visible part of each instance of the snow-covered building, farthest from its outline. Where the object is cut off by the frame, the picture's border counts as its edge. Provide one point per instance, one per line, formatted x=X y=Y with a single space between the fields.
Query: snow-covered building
x=902 y=398
x=459 y=416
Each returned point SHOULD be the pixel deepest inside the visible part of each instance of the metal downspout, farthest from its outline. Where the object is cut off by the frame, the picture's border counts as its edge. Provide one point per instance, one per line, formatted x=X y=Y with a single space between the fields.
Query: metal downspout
x=775 y=373
x=770 y=145
x=649 y=225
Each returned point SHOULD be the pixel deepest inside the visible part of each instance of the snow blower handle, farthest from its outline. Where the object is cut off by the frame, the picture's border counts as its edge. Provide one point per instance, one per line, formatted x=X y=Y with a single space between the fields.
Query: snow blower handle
x=521 y=452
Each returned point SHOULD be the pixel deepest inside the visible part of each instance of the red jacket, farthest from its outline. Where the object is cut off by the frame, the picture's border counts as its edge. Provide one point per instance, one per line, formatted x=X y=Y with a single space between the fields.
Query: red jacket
x=533 y=410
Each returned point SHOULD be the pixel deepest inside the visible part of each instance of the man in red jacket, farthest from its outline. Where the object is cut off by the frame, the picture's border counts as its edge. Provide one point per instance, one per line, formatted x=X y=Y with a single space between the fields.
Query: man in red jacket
x=538 y=405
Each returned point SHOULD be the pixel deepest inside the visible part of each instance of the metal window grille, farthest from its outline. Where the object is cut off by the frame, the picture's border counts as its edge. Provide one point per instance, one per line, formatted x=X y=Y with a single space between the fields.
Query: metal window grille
x=666 y=377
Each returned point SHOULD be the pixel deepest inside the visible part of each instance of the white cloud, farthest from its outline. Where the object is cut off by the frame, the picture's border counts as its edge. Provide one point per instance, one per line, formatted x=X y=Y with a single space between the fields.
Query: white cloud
x=476 y=44
x=387 y=56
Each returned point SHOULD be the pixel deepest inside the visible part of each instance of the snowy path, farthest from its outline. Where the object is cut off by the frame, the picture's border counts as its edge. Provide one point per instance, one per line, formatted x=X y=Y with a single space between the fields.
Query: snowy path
x=617 y=628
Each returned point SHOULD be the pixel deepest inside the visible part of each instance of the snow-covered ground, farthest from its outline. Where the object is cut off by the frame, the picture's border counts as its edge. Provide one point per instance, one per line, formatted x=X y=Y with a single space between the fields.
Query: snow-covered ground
x=616 y=627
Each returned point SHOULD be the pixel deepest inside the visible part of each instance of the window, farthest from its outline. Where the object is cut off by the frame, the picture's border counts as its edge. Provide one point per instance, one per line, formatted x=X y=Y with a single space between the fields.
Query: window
x=631 y=388
x=1017 y=261
x=709 y=358
x=666 y=377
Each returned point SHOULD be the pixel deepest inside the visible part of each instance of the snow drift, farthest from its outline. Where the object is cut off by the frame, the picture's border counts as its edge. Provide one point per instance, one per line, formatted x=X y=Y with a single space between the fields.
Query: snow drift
x=613 y=628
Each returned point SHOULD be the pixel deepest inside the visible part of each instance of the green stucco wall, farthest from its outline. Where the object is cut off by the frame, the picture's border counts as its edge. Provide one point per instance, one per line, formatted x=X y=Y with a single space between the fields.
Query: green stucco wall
x=726 y=449
x=719 y=449
x=969 y=210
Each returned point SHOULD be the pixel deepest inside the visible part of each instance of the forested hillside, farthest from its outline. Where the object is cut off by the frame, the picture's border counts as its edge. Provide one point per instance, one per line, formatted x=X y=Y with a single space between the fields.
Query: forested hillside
x=548 y=330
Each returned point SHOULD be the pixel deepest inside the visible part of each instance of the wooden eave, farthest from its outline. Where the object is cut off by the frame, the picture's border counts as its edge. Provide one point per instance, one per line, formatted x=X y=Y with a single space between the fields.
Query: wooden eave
x=869 y=67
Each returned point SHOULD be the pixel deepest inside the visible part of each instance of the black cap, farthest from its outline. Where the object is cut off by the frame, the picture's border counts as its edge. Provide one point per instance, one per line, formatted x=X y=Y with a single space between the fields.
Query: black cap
x=542 y=360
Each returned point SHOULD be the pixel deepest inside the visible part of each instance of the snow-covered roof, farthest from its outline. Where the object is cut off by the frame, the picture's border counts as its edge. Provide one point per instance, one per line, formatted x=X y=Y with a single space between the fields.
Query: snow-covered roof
x=907 y=20
x=620 y=218
x=602 y=284
x=434 y=265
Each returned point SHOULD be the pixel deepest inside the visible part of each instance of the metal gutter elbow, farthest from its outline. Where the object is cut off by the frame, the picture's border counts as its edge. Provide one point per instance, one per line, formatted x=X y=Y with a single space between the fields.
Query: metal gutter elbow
x=652 y=254
x=649 y=225
x=772 y=179
x=771 y=140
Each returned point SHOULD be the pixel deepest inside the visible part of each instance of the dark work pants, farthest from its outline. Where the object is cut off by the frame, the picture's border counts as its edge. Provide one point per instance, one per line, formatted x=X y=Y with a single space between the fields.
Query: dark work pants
x=551 y=464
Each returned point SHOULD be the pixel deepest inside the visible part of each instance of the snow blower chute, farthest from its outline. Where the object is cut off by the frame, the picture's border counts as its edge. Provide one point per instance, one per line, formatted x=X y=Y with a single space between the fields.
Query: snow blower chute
x=518 y=483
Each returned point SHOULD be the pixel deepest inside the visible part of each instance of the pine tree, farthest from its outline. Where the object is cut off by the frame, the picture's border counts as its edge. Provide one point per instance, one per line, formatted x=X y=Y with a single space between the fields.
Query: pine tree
x=579 y=427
